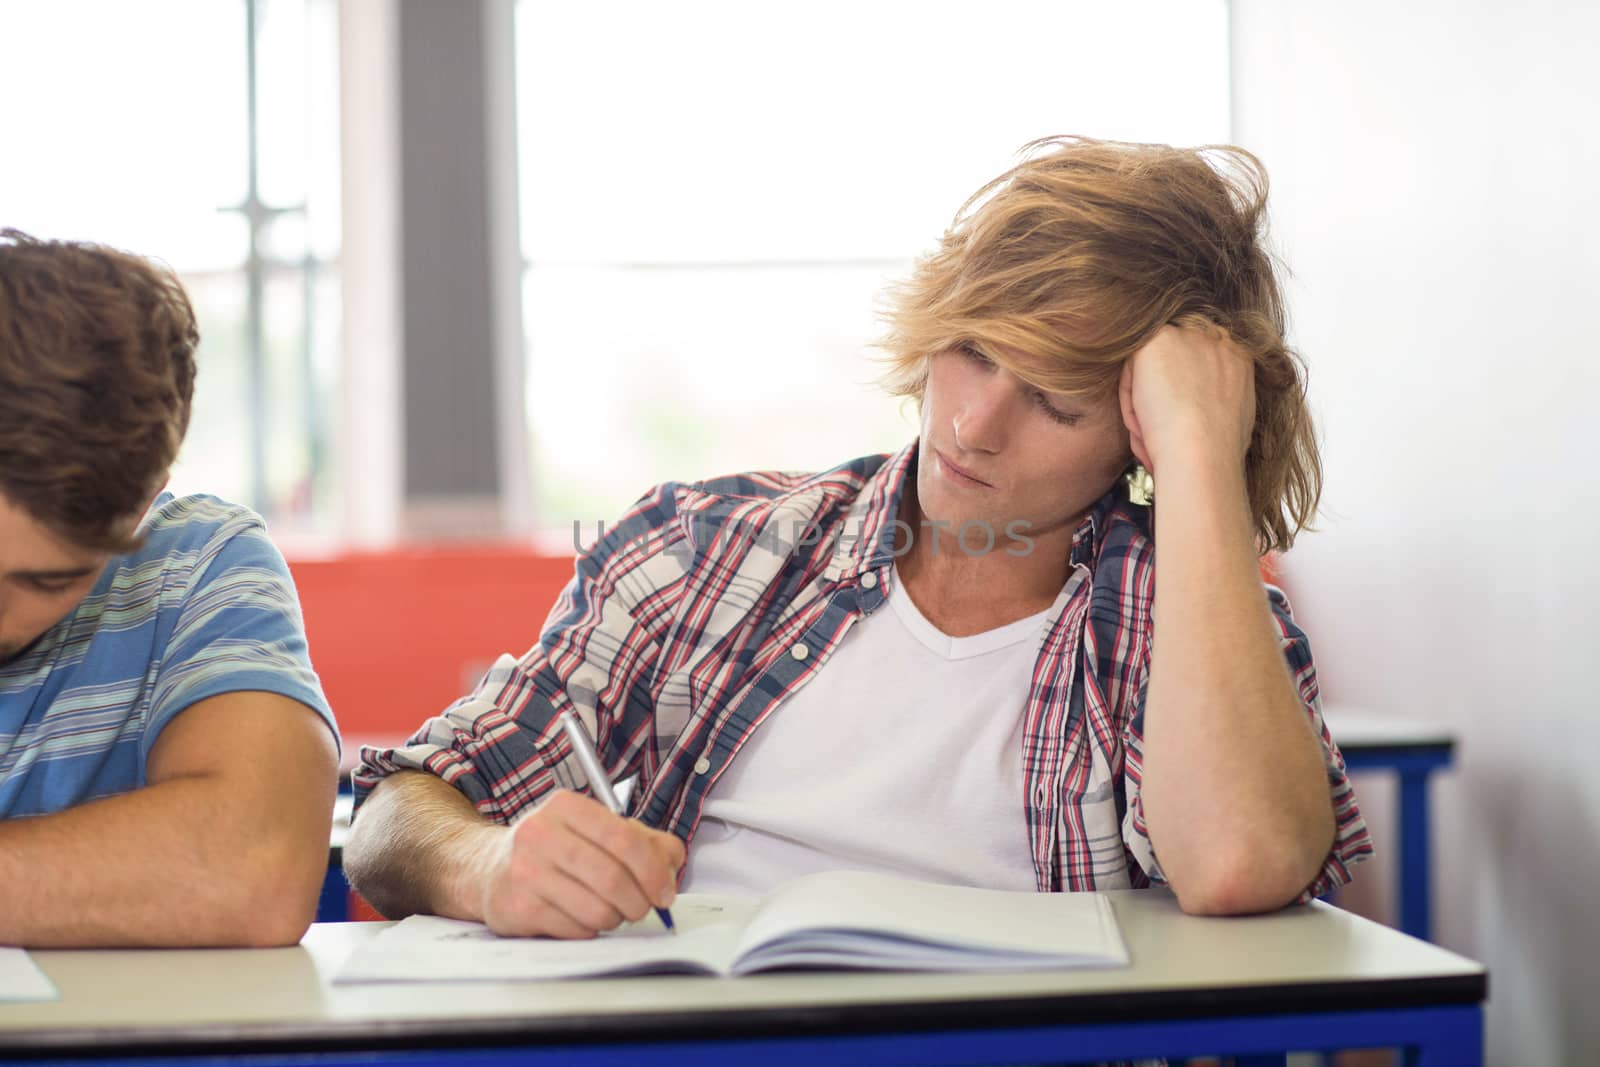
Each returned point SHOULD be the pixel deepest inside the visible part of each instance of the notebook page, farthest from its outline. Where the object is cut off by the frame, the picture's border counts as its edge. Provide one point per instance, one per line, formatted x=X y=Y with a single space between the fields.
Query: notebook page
x=840 y=914
x=426 y=948
x=21 y=978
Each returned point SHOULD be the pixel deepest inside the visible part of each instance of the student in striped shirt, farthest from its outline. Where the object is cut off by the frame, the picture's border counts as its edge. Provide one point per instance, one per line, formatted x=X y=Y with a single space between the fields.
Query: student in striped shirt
x=956 y=662
x=167 y=759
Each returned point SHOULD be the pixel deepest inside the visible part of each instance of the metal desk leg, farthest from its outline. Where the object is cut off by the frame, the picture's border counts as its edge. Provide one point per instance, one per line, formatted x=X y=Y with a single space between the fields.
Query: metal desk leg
x=1415 y=853
x=1446 y=1046
x=1413 y=765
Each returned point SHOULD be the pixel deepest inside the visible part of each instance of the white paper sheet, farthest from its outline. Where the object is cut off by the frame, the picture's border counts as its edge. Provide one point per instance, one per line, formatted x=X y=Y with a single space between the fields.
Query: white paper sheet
x=21 y=978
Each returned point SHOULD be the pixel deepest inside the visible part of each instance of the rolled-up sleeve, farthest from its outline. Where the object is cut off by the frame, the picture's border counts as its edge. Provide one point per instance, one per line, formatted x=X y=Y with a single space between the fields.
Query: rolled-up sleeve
x=502 y=745
x=1351 y=843
x=493 y=744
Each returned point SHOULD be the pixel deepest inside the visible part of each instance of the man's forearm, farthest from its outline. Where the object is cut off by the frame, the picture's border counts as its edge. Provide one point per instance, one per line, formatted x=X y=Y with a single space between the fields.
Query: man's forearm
x=1234 y=789
x=418 y=846
x=183 y=862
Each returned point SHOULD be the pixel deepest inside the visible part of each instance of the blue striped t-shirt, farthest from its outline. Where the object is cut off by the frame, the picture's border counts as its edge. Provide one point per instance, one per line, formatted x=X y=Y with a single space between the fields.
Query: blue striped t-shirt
x=204 y=606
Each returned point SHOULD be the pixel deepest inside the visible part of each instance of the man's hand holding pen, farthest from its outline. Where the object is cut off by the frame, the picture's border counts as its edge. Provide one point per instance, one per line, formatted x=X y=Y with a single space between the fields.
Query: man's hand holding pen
x=571 y=869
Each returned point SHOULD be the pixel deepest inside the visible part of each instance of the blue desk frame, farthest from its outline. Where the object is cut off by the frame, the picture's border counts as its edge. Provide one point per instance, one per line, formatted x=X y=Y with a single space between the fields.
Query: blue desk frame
x=1414 y=764
x=333 y=905
x=1441 y=1036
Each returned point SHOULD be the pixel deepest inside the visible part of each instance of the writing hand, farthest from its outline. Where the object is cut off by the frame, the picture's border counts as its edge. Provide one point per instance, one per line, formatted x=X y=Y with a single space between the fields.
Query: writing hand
x=570 y=869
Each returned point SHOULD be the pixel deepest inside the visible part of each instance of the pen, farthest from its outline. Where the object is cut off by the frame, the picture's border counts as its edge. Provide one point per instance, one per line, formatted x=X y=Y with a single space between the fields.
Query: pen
x=599 y=783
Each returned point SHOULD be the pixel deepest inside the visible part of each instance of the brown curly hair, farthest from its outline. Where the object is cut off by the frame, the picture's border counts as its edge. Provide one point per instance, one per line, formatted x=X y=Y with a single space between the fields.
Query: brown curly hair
x=1082 y=253
x=96 y=378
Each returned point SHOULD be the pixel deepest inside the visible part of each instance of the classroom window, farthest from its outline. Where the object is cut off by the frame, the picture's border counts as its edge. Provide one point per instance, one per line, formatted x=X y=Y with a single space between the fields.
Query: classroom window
x=154 y=141
x=713 y=194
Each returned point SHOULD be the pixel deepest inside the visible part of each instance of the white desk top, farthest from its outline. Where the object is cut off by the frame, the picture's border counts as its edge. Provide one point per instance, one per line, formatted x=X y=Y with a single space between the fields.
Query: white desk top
x=343 y=811
x=1315 y=957
x=1355 y=727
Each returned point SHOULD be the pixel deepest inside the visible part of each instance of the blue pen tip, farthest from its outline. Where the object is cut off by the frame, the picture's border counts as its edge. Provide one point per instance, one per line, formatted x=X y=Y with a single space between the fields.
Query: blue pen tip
x=666 y=919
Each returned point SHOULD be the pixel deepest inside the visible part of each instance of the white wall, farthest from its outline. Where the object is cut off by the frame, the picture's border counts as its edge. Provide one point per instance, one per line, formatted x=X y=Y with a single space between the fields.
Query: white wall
x=1436 y=181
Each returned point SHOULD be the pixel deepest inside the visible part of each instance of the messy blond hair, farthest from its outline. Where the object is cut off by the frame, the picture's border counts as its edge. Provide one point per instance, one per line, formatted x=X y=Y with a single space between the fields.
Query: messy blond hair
x=1081 y=253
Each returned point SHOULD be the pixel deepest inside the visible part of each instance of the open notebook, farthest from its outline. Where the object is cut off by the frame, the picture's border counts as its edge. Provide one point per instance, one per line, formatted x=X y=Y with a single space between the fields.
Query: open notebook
x=839 y=919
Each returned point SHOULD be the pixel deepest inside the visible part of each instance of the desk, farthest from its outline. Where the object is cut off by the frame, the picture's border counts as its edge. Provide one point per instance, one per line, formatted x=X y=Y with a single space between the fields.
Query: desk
x=1304 y=978
x=1413 y=751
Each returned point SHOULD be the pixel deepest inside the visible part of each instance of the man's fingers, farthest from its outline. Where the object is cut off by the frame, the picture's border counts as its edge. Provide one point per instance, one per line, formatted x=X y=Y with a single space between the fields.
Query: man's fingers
x=572 y=867
x=651 y=857
x=575 y=835
x=648 y=863
x=604 y=874
x=552 y=906
x=516 y=900
x=579 y=902
x=670 y=848
x=536 y=917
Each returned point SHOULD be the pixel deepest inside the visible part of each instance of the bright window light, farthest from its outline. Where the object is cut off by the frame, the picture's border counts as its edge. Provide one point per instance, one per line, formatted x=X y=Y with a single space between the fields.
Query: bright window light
x=126 y=124
x=712 y=195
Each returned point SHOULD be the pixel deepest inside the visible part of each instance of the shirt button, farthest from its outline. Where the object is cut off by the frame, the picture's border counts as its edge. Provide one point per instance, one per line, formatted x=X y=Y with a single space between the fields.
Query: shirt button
x=702 y=765
x=869 y=580
x=799 y=652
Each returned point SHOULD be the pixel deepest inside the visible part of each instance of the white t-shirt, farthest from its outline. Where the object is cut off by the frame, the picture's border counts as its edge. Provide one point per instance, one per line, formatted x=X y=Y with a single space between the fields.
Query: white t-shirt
x=903 y=756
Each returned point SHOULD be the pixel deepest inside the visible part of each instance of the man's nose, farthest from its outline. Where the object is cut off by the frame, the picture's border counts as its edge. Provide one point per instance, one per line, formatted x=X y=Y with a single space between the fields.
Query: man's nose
x=986 y=414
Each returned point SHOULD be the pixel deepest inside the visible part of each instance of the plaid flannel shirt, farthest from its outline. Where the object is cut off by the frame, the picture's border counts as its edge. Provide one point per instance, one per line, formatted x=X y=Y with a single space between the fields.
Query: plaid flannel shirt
x=709 y=604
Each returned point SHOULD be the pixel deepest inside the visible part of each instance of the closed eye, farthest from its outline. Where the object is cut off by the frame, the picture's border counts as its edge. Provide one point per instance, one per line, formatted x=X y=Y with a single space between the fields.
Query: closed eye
x=972 y=353
x=43 y=586
x=51 y=584
x=1065 y=418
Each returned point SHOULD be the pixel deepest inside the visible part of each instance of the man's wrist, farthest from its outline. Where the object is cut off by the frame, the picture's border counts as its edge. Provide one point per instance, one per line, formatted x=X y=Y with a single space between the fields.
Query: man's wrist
x=1201 y=466
x=1194 y=442
x=1203 y=512
x=470 y=859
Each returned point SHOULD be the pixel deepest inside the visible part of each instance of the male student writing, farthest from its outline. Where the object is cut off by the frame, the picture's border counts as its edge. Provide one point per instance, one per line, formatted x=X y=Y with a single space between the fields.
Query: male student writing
x=959 y=662
x=167 y=759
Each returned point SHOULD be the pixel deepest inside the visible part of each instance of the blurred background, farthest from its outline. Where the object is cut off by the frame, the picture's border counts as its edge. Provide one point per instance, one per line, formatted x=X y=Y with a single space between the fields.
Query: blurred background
x=676 y=218
x=473 y=274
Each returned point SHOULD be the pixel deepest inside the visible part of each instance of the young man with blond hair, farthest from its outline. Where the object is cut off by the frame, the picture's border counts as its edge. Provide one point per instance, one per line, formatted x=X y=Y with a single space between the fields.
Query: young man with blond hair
x=959 y=662
x=167 y=758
